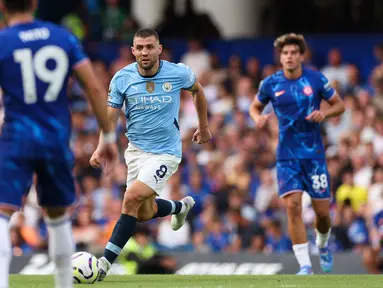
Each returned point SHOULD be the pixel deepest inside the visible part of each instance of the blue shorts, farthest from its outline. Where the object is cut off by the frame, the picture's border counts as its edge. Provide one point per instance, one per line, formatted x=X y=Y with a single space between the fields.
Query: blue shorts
x=55 y=183
x=308 y=175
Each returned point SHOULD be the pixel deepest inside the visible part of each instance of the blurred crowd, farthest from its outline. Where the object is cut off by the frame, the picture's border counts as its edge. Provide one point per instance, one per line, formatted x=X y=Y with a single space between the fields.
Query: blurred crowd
x=232 y=178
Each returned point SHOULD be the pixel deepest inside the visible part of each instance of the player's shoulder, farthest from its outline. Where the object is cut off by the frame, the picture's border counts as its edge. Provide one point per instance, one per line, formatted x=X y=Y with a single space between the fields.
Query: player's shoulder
x=274 y=78
x=174 y=68
x=312 y=73
x=127 y=71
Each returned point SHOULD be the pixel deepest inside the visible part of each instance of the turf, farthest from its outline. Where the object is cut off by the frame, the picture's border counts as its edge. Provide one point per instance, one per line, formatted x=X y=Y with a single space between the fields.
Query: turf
x=170 y=281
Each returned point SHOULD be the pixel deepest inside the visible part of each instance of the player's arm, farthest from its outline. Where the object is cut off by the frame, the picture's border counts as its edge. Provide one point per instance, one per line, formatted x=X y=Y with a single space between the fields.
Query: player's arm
x=335 y=103
x=112 y=116
x=257 y=106
x=95 y=94
x=336 y=107
x=200 y=104
x=202 y=135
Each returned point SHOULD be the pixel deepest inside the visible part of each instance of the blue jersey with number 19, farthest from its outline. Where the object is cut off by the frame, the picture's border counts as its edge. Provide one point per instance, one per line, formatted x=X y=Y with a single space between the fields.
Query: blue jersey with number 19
x=36 y=60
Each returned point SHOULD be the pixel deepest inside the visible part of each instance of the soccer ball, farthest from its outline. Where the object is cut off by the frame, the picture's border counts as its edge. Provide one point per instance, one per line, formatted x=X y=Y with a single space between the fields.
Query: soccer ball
x=84 y=268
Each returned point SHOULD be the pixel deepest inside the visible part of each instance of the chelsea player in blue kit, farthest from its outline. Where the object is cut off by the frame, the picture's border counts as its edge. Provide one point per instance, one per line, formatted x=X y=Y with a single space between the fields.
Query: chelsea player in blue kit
x=150 y=90
x=296 y=94
x=36 y=60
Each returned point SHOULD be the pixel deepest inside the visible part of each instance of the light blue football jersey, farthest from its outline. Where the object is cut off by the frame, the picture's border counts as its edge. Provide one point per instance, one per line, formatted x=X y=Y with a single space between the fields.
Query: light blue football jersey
x=152 y=105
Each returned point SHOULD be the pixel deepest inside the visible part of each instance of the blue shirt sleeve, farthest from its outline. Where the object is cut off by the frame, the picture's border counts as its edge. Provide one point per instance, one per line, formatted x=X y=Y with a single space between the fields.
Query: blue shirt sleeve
x=76 y=53
x=187 y=76
x=262 y=95
x=326 y=90
x=115 y=96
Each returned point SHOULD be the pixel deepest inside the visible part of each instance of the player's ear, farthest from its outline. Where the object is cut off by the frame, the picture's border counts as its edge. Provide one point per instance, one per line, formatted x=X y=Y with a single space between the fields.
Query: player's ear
x=132 y=49
x=159 y=49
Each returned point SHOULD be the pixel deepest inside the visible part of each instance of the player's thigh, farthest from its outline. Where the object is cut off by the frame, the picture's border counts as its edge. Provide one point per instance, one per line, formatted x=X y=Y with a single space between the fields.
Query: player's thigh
x=157 y=170
x=55 y=185
x=134 y=159
x=16 y=176
x=316 y=178
x=289 y=176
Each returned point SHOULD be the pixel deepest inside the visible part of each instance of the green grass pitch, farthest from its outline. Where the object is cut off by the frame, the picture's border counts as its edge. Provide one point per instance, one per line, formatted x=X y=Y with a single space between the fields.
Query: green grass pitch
x=170 y=281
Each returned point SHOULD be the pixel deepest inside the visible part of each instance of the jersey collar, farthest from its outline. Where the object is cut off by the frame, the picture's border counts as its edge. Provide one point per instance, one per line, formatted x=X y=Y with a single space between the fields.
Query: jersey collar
x=151 y=76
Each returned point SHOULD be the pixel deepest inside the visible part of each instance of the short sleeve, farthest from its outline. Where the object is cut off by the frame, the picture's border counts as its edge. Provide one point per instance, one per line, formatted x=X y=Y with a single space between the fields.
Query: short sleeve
x=326 y=90
x=77 y=54
x=187 y=76
x=115 y=97
x=262 y=95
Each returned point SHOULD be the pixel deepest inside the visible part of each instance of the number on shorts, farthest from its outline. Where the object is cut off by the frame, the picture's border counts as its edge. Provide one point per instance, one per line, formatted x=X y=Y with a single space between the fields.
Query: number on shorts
x=161 y=172
x=319 y=181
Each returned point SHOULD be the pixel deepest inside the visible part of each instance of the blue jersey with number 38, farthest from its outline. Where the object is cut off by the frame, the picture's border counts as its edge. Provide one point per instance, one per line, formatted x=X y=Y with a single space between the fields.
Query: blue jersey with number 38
x=36 y=60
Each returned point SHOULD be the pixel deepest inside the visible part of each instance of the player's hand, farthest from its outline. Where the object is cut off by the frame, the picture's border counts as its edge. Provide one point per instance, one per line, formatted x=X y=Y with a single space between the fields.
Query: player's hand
x=261 y=120
x=105 y=156
x=201 y=136
x=316 y=116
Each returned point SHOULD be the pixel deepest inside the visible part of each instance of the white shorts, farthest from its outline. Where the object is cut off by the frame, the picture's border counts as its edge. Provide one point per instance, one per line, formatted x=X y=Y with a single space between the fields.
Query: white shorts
x=152 y=169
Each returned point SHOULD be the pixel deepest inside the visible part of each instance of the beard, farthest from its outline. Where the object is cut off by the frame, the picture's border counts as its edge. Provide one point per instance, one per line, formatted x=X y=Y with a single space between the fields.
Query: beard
x=148 y=66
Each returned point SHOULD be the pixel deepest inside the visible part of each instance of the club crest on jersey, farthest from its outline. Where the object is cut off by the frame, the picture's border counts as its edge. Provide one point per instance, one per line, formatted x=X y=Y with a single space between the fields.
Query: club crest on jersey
x=150 y=86
x=167 y=86
x=308 y=90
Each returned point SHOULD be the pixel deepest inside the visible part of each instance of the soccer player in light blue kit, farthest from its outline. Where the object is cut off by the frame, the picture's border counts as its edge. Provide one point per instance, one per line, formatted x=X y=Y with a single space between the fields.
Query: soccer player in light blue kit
x=36 y=61
x=150 y=89
x=296 y=94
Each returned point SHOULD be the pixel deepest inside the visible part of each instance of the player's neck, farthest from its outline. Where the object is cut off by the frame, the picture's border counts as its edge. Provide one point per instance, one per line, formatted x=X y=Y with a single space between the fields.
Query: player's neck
x=151 y=72
x=293 y=74
x=19 y=18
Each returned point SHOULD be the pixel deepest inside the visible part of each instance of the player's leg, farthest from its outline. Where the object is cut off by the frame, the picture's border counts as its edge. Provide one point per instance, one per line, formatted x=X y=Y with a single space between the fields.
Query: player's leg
x=158 y=170
x=318 y=187
x=158 y=207
x=15 y=179
x=56 y=194
x=291 y=189
x=135 y=195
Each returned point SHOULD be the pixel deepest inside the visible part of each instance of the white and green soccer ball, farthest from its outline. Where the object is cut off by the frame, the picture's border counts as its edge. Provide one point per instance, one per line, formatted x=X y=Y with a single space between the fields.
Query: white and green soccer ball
x=84 y=268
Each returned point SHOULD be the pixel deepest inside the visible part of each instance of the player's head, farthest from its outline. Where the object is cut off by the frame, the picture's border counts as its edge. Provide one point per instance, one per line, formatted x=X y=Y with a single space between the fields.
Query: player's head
x=291 y=48
x=146 y=48
x=18 y=6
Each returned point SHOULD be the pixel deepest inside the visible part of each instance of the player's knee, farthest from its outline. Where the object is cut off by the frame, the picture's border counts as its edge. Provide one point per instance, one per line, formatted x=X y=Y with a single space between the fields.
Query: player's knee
x=132 y=200
x=294 y=209
x=54 y=213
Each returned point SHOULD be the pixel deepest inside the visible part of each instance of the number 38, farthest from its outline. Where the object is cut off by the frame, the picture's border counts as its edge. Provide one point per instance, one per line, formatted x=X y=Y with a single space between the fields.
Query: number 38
x=319 y=181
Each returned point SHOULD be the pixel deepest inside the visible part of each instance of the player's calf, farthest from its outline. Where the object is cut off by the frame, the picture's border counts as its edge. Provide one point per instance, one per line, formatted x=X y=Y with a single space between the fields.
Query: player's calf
x=134 y=198
x=61 y=245
x=323 y=230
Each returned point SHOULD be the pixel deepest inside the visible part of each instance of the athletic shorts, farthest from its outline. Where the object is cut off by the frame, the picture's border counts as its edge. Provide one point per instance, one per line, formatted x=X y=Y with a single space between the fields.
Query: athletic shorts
x=152 y=169
x=308 y=175
x=55 y=183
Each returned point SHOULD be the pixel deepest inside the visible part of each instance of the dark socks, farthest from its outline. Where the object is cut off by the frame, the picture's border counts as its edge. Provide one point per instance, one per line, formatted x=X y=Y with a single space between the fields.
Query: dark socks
x=167 y=207
x=123 y=230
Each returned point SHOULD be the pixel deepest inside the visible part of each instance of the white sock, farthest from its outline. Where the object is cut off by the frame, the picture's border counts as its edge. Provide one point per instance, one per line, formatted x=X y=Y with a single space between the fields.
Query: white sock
x=322 y=239
x=302 y=255
x=5 y=252
x=61 y=249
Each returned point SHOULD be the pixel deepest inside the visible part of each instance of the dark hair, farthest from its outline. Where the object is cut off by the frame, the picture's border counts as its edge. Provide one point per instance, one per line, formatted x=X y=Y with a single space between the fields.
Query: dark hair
x=18 y=5
x=146 y=32
x=291 y=39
